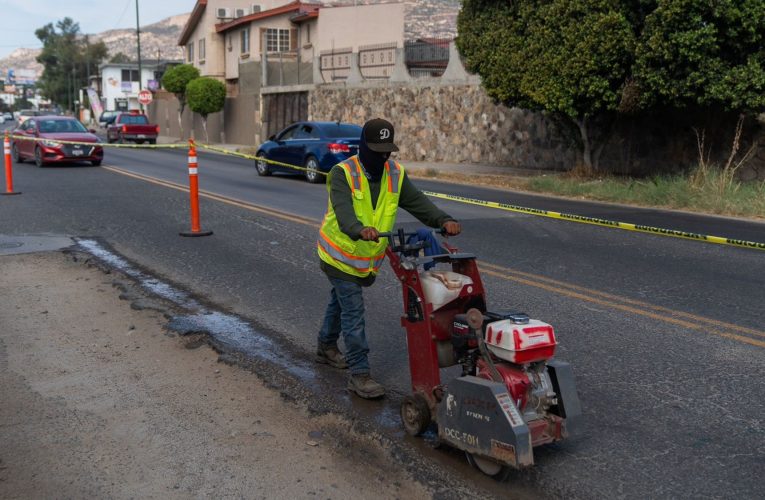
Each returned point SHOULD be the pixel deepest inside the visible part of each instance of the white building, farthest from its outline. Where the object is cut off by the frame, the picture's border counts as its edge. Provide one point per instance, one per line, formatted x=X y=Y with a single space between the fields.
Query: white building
x=120 y=84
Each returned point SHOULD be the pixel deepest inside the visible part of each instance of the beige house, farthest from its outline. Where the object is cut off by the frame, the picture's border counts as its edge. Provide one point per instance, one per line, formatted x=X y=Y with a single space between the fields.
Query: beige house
x=203 y=46
x=222 y=35
x=287 y=31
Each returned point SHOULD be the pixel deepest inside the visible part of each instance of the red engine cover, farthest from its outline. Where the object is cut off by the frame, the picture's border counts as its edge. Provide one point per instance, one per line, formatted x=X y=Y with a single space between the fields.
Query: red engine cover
x=515 y=380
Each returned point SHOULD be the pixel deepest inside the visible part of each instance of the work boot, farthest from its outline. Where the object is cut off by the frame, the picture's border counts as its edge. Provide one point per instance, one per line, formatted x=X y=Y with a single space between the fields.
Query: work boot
x=329 y=354
x=364 y=387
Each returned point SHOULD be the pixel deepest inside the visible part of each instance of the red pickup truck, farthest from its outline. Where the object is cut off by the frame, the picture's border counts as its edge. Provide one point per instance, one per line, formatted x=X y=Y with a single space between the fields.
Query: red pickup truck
x=133 y=127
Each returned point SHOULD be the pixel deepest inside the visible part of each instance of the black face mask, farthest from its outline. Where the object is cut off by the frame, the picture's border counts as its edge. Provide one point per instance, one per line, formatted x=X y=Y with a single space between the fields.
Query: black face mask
x=373 y=162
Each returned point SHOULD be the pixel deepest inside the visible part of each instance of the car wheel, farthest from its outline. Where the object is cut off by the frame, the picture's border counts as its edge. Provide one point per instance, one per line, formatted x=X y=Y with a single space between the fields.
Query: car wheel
x=96 y=163
x=262 y=166
x=38 y=158
x=152 y=141
x=16 y=156
x=312 y=172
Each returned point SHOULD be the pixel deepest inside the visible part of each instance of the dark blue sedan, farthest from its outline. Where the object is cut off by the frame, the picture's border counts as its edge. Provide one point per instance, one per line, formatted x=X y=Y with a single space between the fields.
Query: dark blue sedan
x=315 y=146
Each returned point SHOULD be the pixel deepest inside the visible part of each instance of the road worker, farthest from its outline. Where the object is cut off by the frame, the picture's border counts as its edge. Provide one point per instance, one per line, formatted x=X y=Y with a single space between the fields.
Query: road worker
x=365 y=192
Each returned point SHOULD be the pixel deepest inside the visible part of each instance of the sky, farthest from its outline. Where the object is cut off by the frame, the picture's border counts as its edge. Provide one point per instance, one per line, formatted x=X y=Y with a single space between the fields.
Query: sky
x=20 y=18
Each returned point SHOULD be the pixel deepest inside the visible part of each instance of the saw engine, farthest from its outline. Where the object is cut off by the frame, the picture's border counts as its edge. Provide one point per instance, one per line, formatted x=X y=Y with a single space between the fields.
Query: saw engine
x=518 y=349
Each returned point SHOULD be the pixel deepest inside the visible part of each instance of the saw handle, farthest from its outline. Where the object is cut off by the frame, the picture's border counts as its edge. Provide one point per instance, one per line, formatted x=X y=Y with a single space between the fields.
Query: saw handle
x=397 y=240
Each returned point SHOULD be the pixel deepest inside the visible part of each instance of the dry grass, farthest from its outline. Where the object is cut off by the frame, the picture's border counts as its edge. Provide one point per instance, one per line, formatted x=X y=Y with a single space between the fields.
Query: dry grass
x=700 y=191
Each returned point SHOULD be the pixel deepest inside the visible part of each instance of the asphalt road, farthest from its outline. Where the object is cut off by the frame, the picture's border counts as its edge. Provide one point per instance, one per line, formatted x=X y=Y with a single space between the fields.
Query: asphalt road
x=665 y=336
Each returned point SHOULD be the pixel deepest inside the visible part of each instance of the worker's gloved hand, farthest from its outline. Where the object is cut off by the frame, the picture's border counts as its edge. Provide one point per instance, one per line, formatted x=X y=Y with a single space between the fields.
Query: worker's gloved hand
x=369 y=234
x=452 y=227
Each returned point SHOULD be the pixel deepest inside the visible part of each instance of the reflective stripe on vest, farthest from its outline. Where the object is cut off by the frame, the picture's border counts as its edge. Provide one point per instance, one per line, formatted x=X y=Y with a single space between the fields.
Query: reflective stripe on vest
x=362 y=264
x=393 y=175
x=355 y=170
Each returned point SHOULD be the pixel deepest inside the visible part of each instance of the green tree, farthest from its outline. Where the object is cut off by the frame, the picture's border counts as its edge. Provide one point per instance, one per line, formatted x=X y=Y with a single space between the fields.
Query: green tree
x=570 y=58
x=119 y=58
x=206 y=96
x=175 y=80
x=587 y=62
x=67 y=58
x=701 y=53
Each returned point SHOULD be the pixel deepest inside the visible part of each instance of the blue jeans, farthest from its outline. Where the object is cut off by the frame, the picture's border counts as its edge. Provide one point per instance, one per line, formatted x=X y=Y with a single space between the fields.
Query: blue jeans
x=345 y=313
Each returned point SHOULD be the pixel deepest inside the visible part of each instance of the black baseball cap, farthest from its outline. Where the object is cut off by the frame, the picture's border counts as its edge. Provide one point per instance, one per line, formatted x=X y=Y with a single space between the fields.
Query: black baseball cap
x=378 y=134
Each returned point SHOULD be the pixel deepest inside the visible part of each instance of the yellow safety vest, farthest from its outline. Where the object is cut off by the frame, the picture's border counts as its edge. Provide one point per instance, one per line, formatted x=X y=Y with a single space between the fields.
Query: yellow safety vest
x=361 y=258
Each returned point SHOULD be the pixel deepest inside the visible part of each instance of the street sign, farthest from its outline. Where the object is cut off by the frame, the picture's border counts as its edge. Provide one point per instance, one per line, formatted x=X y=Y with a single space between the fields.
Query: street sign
x=145 y=97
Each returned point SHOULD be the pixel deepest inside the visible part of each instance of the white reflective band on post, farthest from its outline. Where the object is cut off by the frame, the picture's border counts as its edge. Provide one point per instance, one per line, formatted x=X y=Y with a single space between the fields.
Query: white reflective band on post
x=192 y=160
x=7 y=151
x=192 y=171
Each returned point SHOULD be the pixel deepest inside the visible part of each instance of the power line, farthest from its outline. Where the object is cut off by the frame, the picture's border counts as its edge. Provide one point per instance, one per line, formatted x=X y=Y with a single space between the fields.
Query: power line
x=121 y=15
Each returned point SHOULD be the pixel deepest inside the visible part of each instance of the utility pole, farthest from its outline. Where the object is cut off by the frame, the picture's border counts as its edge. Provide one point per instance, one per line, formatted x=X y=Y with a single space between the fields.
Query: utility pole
x=138 y=36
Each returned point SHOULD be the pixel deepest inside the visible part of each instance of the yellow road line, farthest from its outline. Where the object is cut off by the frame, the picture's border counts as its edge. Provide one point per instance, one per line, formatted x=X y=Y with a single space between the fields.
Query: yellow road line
x=206 y=194
x=633 y=310
x=605 y=295
x=692 y=321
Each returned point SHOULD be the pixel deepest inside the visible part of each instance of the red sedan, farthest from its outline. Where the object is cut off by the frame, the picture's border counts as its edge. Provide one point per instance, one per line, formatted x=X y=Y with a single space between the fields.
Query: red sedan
x=52 y=129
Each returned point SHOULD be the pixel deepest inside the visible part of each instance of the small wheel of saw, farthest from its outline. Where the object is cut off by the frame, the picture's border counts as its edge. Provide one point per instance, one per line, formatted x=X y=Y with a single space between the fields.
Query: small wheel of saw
x=415 y=414
x=493 y=469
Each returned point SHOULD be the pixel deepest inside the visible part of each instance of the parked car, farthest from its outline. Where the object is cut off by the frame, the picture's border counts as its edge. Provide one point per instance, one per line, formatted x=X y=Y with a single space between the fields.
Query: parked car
x=316 y=146
x=132 y=126
x=7 y=116
x=53 y=129
x=107 y=118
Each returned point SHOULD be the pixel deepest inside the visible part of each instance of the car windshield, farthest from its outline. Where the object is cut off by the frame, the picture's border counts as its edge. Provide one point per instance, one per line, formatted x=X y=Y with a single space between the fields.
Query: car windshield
x=134 y=119
x=337 y=130
x=64 y=126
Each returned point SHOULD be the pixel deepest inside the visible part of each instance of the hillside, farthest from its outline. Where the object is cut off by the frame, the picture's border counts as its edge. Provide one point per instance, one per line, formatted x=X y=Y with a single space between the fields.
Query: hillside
x=158 y=39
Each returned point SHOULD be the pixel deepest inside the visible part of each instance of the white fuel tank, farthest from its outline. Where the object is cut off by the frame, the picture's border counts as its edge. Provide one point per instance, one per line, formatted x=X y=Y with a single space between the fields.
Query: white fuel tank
x=441 y=287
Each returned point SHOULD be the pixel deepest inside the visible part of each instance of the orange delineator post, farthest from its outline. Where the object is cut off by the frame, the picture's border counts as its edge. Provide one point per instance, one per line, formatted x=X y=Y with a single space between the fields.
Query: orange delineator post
x=8 y=166
x=194 y=193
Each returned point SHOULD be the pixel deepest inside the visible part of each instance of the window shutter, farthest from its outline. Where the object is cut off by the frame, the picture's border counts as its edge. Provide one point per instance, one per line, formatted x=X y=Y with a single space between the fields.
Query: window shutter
x=293 y=39
x=262 y=40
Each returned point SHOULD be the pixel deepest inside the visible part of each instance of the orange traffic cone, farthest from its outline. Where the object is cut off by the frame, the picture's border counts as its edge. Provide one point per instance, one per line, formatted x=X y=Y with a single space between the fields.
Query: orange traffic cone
x=194 y=194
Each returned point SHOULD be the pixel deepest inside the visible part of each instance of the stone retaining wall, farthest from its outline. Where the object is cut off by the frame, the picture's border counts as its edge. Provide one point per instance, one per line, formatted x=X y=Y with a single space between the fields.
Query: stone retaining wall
x=439 y=122
x=448 y=123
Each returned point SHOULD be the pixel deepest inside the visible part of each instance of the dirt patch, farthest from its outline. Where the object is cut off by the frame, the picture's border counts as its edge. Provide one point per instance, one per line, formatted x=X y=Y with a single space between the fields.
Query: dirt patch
x=99 y=400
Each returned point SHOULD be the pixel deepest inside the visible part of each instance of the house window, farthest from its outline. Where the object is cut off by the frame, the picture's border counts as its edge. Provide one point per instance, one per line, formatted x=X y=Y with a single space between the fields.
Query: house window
x=244 y=39
x=277 y=40
x=201 y=49
x=190 y=52
x=129 y=75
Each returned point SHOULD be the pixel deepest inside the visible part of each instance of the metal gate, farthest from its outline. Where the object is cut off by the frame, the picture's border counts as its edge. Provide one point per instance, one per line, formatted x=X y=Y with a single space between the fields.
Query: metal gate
x=281 y=109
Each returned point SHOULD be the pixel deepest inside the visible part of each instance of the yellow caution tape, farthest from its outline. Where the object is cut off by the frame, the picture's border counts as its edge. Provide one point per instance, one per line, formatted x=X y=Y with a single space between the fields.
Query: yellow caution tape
x=545 y=213
x=602 y=222
x=101 y=144
x=674 y=233
x=256 y=158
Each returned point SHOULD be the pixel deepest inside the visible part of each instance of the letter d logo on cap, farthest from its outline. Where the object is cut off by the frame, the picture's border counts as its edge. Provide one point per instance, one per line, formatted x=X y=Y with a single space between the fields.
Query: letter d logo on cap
x=384 y=134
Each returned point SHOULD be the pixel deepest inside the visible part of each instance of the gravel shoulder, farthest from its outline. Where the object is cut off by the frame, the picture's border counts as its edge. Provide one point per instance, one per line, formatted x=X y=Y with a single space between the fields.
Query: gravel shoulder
x=99 y=400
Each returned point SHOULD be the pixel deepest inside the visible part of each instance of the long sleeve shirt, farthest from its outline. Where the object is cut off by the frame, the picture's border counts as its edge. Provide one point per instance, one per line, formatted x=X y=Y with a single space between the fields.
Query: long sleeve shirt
x=410 y=199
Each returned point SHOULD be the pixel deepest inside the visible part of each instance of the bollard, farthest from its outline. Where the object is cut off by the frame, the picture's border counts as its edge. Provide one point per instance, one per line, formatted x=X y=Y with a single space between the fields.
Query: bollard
x=194 y=194
x=8 y=166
